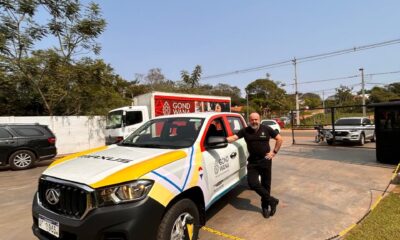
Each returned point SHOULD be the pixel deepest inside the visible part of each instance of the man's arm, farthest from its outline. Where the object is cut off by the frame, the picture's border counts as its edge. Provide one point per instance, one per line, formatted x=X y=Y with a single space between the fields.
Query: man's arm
x=232 y=138
x=278 y=145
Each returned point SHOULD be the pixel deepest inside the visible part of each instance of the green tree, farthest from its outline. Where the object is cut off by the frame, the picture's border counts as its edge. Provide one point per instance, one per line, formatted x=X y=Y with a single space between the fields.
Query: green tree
x=344 y=96
x=266 y=96
x=75 y=26
x=222 y=89
x=379 y=94
x=95 y=90
x=192 y=80
x=311 y=100
x=394 y=88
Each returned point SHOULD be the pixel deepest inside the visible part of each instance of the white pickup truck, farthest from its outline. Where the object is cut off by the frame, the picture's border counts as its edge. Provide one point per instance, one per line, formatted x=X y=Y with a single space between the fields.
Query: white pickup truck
x=351 y=129
x=156 y=184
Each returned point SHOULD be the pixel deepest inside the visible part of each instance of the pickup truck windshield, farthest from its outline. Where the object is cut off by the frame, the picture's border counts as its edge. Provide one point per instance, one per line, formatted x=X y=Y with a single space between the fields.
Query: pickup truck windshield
x=170 y=133
x=348 y=121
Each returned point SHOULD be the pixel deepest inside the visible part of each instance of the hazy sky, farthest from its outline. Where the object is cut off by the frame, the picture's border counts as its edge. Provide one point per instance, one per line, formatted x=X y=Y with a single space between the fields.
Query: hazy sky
x=229 y=35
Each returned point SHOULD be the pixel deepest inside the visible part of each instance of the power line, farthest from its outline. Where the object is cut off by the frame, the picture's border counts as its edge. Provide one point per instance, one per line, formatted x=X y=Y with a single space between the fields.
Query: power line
x=331 y=89
x=327 y=80
x=268 y=66
x=306 y=59
x=382 y=73
x=347 y=77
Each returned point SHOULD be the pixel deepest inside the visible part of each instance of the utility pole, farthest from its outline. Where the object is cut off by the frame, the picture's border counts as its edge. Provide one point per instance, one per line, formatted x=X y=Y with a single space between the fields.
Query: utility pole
x=297 y=93
x=363 y=91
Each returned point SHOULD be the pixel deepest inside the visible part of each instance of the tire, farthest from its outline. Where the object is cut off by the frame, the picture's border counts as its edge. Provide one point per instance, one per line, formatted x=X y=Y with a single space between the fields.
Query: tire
x=361 y=142
x=171 y=225
x=329 y=142
x=373 y=139
x=22 y=159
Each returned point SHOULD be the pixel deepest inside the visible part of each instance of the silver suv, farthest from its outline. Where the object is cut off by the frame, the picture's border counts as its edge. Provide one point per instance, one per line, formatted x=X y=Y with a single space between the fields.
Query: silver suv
x=352 y=129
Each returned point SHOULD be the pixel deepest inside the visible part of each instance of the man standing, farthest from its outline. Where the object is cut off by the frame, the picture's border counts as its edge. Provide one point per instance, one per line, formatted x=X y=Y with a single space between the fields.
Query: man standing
x=260 y=160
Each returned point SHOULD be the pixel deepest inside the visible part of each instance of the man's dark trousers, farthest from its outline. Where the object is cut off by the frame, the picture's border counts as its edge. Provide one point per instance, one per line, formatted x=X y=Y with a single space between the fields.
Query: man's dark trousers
x=255 y=170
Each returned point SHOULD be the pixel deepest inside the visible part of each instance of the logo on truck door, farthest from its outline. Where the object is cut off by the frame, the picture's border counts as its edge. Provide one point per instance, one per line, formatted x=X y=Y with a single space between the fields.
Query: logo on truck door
x=221 y=165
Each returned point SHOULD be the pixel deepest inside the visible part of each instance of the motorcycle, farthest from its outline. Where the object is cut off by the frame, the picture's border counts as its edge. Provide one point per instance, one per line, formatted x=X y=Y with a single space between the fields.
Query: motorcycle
x=320 y=137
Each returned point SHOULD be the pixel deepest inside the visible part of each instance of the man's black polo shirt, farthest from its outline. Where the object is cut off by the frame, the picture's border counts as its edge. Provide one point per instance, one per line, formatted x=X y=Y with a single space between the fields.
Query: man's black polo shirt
x=257 y=141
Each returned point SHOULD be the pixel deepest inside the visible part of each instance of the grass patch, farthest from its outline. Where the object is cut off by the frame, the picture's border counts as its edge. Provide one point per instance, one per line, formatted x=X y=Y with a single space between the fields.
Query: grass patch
x=382 y=223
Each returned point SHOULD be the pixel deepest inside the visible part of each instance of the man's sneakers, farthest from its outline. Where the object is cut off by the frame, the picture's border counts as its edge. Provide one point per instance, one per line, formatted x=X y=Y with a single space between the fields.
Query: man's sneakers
x=266 y=212
x=273 y=203
x=269 y=210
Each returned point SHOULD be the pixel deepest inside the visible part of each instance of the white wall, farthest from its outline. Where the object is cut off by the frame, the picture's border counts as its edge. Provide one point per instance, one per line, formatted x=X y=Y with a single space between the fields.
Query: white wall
x=73 y=133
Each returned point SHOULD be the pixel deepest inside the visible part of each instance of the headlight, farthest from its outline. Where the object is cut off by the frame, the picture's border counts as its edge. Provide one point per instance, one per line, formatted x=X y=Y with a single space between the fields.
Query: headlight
x=123 y=193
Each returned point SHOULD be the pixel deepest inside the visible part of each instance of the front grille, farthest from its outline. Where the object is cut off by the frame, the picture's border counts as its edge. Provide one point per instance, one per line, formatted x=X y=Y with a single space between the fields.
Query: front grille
x=342 y=134
x=73 y=200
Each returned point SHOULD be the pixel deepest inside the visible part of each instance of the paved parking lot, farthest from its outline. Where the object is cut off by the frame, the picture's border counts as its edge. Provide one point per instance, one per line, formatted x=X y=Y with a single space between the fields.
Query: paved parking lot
x=322 y=190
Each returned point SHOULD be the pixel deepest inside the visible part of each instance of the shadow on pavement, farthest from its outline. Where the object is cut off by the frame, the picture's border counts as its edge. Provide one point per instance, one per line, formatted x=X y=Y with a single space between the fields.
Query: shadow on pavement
x=232 y=198
x=359 y=156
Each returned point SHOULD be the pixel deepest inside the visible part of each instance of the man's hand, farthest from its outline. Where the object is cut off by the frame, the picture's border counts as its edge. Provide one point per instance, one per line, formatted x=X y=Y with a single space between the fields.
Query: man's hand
x=278 y=145
x=232 y=138
x=270 y=155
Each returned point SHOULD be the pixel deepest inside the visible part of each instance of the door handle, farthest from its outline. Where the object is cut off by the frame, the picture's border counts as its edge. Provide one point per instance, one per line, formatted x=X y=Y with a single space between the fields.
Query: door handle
x=233 y=154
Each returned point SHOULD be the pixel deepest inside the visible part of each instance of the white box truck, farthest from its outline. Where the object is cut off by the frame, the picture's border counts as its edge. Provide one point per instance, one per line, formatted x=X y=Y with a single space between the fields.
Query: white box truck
x=123 y=121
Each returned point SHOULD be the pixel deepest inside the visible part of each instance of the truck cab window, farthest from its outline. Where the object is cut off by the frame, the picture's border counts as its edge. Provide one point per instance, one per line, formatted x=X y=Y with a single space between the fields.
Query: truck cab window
x=216 y=129
x=133 y=117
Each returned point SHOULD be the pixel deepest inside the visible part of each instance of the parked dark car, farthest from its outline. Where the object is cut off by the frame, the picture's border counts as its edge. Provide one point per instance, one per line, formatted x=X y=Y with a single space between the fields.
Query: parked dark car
x=21 y=145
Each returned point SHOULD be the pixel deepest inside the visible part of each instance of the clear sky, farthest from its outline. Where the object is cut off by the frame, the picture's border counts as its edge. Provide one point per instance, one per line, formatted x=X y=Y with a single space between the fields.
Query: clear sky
x=228 y=35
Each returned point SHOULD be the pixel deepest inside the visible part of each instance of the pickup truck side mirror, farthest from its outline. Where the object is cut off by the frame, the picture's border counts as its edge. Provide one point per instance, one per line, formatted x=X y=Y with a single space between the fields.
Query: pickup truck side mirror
x=216 y=142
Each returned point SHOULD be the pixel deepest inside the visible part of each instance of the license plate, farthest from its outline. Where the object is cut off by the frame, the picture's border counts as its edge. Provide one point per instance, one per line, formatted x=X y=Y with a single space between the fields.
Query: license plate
x=50 y=226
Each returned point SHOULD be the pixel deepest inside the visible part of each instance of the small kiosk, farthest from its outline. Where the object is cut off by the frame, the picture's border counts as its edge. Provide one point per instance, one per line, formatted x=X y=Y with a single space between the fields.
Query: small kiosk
x=387 y=130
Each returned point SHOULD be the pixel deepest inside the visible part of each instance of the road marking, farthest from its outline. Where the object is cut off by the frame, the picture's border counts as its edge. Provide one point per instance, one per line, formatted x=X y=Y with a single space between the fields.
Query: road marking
x=220 y=233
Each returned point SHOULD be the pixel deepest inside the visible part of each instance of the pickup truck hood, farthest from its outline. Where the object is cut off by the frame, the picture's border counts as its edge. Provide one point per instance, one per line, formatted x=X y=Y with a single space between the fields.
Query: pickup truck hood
x=114 y=165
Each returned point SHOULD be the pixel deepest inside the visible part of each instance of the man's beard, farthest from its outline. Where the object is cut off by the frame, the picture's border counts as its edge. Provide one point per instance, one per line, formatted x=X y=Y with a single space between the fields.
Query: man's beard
x=255 y=126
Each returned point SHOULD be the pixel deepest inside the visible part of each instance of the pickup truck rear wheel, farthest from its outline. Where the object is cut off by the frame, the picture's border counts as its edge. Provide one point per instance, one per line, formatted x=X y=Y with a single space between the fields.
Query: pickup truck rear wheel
x=181 y=222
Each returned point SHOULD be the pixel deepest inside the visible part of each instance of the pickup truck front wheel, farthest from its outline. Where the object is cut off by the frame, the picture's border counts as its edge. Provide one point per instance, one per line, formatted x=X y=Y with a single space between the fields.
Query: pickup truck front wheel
x=181 y=222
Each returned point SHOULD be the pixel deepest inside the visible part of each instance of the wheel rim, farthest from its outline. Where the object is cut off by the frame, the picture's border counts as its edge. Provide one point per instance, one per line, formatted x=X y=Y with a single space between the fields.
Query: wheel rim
x=362 y=139
x=22 y=160
x=178 y=231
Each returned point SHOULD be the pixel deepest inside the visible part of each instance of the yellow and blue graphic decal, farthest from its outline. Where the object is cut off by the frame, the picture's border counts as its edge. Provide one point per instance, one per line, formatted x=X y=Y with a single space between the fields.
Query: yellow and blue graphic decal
x=180 y=189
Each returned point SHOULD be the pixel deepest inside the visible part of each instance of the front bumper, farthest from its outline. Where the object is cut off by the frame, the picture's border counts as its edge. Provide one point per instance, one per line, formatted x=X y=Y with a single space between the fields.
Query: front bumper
x=130 y=221
x=349 y=137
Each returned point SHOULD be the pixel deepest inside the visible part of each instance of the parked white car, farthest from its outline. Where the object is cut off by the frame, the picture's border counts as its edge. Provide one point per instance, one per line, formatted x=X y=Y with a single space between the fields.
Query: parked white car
x=351 y=129
x=272 y=123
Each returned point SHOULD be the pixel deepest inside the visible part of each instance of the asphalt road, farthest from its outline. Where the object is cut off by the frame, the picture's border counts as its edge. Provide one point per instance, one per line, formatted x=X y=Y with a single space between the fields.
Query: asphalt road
x=322 y=190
